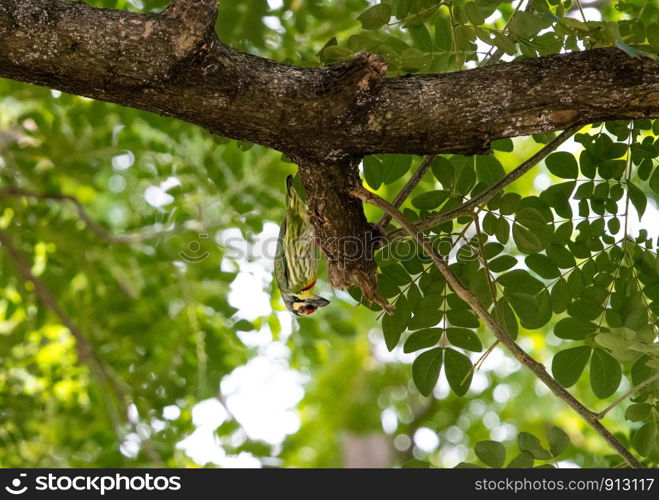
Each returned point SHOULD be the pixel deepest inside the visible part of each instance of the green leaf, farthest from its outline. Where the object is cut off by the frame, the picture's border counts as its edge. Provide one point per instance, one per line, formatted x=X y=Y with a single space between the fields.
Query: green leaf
x=375 y=17
x=244 y=326
x=443 y=38
x=489 y=169
x=508 y=318
x=422 y=339
x=526 y=24
x=466 y=176
x=654 y=180
x=466 y=339
x=424 y=318
x=568 y=365
x=421 y=37
x=638 y=198
x=394 y=167
x=585 y=309
x=426 y=368
x=563 y=165
x=558 y=441
x=502 y=230
x=645 y=439
x=509 y=203
x=474 y=13
x=561 y=256
x=504 y=43
x=457 y=366
x=638 y=412
x=560 y=296
x=503 y=263
x=528 y=442
x=641 y=371
x=413 y=60
x=526 y=240
x=393 y=325
x=524 y=306
x=542 y=265
x=605 y=373
x=444 y=171
x=519 y=280
x=652 y=32
x=505 y=145
x=574 y=329
x=430 y=199
x=522 y=461
x=491 y=453
x=464 y=318
x=558 y=197
x=530 y=231
x=373 y=172
x=397 y=274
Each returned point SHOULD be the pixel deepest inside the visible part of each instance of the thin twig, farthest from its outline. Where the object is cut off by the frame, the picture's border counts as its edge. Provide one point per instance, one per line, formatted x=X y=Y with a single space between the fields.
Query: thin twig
x=500 y=333
x=408 y=188
x=493 y=294
x=637 y=388
x=484 y=196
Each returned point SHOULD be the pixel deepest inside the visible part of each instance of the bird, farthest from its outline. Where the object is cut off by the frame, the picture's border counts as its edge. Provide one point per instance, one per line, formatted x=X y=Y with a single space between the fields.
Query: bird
x=296 y=262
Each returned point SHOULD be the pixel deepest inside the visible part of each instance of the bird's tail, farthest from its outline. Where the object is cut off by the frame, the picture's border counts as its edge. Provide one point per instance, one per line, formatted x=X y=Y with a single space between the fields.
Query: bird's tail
x=293 y=198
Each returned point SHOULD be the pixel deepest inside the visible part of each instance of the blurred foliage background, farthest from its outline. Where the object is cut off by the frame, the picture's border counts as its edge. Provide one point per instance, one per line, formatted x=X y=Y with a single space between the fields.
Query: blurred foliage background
x=197 y=361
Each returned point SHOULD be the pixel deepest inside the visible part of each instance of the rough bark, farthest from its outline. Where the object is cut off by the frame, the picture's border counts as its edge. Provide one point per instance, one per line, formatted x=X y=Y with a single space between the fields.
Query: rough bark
x=173 y=64
x=347 y=242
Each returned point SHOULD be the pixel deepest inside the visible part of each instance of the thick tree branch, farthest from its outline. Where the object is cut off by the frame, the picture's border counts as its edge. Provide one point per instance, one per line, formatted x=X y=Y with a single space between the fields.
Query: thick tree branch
x=173 y=64
x=499 y=332
x=348 y=241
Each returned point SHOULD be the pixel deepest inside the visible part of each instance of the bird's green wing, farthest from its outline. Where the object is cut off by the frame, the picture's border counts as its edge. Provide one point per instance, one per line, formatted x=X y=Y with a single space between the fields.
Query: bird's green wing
x=281 y=273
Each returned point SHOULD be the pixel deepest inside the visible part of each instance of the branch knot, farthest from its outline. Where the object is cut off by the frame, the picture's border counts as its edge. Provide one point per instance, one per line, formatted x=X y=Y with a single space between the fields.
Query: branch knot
x=194 y=22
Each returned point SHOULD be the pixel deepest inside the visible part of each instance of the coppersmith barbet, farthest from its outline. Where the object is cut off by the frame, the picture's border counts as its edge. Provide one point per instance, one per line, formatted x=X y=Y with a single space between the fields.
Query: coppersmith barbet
x=296 y=262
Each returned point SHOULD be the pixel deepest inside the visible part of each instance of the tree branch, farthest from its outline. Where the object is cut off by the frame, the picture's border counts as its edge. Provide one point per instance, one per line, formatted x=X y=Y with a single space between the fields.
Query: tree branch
x=173 y=64
x=499 y=332
x=634 y=389
x=483 y=197
x=408 y=188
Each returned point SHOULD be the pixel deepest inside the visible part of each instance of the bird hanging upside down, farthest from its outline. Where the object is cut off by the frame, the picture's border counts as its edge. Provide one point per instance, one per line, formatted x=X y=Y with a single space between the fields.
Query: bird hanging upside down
x=296 y=262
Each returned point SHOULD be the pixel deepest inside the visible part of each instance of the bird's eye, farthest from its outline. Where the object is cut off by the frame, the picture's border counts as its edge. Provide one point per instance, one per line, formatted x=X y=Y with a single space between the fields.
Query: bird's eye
x=306 y=310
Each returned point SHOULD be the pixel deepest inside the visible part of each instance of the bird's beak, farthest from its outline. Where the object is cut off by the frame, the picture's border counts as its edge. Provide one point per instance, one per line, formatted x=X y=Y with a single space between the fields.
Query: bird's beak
x=319 y=302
